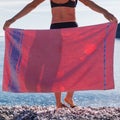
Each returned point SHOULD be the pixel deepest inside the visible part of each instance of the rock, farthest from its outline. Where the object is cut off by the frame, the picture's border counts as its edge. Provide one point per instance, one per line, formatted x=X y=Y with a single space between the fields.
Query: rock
x=51 y=113
x=118 y=31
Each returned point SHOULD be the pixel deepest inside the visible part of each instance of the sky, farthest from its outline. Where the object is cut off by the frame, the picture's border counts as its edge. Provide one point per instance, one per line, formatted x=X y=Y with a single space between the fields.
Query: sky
x=40 y=18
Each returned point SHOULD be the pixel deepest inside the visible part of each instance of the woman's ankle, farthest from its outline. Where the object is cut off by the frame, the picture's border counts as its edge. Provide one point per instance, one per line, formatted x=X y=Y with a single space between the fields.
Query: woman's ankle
x=69 y=101
x=59 y=105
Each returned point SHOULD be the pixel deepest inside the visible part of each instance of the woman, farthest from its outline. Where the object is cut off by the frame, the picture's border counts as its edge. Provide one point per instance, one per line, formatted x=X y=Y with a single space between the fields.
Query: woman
x=63 y=16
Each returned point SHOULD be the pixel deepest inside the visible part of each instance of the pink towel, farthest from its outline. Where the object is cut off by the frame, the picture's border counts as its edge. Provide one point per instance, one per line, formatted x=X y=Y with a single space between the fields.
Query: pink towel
x=67 y=59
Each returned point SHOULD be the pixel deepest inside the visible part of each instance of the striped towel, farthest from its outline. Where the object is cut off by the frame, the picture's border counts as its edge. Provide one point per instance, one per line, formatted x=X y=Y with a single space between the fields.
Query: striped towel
x=68 y=59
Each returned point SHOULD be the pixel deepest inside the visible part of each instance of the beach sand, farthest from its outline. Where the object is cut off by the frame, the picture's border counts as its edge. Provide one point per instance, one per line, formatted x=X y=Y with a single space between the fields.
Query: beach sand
x=51 y=113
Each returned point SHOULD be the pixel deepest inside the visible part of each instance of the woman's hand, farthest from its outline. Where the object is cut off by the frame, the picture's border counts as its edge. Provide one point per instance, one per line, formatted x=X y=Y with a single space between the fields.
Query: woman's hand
x=8 y=23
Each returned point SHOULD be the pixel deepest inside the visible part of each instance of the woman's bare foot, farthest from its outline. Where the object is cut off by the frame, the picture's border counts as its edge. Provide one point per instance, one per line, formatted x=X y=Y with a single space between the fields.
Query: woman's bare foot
x=61 y=105
x=70 y=102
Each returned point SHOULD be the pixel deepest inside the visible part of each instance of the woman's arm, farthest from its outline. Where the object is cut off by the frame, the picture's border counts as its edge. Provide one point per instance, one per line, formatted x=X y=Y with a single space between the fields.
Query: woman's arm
x=28 y=8
x=99 y=9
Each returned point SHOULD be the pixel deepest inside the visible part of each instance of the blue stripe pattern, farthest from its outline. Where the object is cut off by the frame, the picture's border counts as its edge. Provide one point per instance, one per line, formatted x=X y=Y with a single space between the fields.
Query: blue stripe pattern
x=15 y=57
x=105 y=44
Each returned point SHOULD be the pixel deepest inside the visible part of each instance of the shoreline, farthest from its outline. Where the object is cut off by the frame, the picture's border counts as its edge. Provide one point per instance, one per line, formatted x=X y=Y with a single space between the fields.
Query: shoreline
x=51 y=113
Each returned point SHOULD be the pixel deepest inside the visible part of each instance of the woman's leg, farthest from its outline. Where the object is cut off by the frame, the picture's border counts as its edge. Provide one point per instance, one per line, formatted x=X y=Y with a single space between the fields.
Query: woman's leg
x=69 y=99
x=59 y=104
x=69 y=95
x=58 y=99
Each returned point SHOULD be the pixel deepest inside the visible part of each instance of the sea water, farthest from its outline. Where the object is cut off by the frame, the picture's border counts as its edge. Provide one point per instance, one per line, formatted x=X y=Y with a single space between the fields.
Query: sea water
x=81 y=98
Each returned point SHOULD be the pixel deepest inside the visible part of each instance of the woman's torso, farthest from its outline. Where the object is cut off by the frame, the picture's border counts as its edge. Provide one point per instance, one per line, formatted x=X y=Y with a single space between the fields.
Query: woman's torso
x=63 y=11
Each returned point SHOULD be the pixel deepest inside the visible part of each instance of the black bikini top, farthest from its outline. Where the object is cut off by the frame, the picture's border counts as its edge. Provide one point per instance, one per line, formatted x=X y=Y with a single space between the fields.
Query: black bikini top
x=70 y=3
